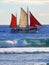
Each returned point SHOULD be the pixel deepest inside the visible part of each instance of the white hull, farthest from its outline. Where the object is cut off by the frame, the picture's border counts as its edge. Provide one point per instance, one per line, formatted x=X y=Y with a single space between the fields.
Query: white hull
x=24 y=49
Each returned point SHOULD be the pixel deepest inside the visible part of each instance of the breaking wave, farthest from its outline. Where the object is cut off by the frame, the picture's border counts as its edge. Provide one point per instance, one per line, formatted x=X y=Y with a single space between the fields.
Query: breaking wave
x=24 y=43
x=11 y=41
x=24 y=50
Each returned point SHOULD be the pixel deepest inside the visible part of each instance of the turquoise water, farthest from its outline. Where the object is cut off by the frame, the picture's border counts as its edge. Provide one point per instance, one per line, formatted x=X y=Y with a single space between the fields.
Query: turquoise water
x=24 y=43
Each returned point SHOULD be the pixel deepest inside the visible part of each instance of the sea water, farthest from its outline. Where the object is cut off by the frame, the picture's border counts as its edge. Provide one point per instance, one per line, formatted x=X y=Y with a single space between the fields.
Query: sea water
x=7 y=43
x=25 y=59
x=39 y=39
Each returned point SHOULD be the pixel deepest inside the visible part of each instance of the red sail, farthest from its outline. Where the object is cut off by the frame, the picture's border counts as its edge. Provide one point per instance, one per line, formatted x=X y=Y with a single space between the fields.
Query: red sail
x=33 y=21
x=13 y=22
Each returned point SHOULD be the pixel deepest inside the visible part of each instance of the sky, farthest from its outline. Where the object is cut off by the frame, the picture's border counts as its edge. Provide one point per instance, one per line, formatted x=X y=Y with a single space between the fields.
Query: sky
x=39 y=8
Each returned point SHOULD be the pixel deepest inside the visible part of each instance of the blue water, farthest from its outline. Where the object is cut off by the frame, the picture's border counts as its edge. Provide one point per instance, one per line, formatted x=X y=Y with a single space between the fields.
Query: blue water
x=38 y=39
x=8 y=39
x=24 y=59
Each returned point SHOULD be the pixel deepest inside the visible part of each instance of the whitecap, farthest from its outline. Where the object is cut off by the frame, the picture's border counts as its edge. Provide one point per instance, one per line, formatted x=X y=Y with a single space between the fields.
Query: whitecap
x=11 y=41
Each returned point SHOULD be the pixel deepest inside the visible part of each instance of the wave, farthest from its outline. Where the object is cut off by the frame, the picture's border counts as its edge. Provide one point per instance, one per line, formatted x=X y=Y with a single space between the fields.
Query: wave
x=11 y=41
x=24 y=50
x=24 y=43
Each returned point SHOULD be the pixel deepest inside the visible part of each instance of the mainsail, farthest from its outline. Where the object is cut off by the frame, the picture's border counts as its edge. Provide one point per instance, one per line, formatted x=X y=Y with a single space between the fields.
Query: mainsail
x=13 y=22
x=33 y=21
x=23 y=23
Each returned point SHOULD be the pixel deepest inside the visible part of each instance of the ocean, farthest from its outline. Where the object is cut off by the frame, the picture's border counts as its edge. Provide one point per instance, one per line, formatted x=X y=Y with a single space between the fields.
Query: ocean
x=16 y=40
x=38 y=39
x=24 y=59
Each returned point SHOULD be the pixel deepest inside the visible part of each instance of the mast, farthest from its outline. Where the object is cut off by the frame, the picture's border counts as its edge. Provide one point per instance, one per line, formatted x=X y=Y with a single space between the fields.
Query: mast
x=27 y=16
x=16 y=19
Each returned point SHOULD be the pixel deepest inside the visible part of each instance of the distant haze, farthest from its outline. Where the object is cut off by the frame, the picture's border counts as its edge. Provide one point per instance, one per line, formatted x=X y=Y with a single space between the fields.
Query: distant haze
x=39 y=8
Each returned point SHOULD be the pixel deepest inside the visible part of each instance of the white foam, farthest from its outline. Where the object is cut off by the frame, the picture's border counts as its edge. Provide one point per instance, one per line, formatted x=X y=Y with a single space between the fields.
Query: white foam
x=24 y=49
x=40 y=63
x=11 y=41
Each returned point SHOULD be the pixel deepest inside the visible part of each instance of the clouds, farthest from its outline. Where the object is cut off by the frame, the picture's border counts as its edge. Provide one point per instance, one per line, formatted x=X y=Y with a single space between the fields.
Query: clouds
x=27 y=1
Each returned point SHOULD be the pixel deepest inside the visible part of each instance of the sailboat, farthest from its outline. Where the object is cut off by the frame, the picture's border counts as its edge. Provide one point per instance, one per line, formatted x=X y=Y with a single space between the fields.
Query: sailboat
x=22 y=27
x=24 y=22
